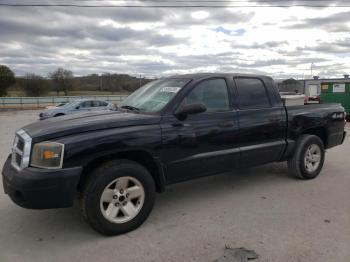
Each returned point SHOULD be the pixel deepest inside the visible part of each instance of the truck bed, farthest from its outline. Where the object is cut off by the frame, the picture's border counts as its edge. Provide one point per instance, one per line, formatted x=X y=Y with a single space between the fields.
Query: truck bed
x=326 y=119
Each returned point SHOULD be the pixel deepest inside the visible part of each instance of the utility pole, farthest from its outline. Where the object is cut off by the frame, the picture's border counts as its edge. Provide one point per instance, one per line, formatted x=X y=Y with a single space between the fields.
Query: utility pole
x=311 y=69
x=101 y=82
x=140 y=81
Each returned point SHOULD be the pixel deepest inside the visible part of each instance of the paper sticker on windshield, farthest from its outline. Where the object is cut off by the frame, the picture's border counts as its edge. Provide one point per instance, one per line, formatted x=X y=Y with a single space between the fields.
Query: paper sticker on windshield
x=170 y=89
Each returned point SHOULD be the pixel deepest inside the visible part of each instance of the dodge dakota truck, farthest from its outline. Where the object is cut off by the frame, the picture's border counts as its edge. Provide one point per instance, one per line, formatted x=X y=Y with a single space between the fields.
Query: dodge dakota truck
x=170 y=130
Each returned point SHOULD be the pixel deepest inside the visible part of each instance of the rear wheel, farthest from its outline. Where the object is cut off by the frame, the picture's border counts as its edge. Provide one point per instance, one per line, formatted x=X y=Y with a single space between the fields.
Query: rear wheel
x=118 y=197
x=308 y=158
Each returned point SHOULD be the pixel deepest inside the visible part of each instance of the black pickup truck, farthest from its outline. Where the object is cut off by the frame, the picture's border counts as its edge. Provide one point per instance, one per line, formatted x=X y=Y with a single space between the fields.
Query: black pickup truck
x=170 y=130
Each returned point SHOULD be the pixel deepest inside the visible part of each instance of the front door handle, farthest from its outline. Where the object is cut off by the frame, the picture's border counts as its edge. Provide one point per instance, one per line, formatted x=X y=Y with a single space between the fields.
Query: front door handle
x=226 y=124
x=177 y=124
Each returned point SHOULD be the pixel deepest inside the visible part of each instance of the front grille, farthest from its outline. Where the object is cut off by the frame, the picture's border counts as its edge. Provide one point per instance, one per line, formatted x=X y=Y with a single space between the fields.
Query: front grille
x=21 y=150
x=20 y=144
x=18 y=159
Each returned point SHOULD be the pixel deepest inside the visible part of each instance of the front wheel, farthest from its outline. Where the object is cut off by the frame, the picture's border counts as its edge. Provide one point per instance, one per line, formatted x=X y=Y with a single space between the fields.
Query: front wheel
x=117 y=197
x=308 y=158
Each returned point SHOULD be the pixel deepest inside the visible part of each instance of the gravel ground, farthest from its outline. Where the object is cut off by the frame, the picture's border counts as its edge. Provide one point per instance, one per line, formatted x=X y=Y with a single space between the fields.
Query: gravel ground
x=261 y=209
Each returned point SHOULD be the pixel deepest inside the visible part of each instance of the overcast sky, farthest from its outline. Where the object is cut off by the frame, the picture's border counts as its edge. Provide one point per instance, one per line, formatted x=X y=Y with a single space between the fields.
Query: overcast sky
x=281 y=42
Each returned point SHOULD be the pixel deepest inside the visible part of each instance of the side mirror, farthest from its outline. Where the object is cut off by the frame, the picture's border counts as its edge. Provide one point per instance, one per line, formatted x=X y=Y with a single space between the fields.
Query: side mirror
x=190 y=110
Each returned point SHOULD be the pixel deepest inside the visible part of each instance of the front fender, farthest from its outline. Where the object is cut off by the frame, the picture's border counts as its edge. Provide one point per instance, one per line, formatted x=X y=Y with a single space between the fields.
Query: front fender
x=81 y=148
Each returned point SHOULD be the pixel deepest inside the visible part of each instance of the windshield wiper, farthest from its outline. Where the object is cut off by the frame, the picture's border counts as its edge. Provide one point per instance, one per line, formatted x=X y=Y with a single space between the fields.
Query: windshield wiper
x=132 y=108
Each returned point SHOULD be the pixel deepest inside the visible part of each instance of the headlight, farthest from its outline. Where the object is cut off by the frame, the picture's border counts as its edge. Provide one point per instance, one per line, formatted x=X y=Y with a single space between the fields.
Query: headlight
x=47 y=155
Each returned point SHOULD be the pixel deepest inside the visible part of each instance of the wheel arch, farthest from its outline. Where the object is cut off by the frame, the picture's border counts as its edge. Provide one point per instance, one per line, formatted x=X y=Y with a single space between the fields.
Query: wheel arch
x=320 y=131
x=59 y=114
x=142 y=157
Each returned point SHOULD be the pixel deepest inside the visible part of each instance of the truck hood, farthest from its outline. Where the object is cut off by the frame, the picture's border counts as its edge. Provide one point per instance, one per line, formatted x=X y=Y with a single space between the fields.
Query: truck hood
x=85 y=122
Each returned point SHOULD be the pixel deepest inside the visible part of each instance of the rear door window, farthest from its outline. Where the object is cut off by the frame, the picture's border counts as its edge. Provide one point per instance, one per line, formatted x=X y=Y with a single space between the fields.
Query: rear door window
x=251 y=93
x=86 y=104
x=99 y=103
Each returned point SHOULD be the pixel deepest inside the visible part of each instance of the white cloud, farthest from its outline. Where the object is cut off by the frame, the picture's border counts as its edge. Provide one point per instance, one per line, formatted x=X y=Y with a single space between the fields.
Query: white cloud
x=200 y=15
x=276 y=41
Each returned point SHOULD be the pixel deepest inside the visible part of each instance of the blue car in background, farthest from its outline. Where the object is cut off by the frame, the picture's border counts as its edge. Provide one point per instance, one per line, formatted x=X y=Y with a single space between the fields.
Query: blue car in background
x=76 y=106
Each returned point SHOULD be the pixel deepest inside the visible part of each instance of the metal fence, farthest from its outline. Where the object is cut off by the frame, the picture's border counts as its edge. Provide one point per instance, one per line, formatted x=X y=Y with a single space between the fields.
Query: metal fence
x=41 y=102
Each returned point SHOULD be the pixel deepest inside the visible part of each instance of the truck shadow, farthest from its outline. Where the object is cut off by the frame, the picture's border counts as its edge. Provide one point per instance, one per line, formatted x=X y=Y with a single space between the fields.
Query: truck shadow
x=212 y=187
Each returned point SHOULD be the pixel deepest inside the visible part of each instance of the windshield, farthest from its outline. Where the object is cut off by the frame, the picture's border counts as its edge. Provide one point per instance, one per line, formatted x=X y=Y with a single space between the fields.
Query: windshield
x=71 y=104
x=153 y=96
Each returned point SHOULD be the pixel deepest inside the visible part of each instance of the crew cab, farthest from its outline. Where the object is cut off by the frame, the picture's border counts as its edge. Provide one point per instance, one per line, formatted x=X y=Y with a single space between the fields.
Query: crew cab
x=170 y=130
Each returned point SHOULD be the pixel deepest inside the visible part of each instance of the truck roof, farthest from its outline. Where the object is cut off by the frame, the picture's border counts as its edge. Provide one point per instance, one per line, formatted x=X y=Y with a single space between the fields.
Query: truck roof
x=196 y=76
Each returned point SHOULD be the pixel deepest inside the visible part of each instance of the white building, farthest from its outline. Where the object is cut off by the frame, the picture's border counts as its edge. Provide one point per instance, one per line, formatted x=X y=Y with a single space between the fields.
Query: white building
x=310 y=87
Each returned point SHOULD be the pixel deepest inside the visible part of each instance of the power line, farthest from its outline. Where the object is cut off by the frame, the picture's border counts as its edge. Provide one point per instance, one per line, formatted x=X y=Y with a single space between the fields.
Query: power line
x=172 y=6
x=212 y=1
x=190 y=4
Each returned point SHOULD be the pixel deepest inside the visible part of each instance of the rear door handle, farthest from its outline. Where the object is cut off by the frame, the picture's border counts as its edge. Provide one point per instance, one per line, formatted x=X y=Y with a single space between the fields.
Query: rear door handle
x=274 y=119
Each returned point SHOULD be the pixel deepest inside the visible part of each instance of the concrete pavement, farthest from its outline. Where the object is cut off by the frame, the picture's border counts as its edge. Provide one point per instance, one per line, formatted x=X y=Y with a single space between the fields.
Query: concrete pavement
x=261 y=208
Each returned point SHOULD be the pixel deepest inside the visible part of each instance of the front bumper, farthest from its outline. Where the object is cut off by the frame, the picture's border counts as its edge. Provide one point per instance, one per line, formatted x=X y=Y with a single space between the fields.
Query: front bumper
x=37 y=188
x=44 y=117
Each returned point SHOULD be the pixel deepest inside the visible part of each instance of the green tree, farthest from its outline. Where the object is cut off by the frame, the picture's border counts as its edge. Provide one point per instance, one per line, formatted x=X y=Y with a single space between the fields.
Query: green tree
x=290 y=85
x=63 y=80
x=290 y=81
x=34 y=85
x=7 y=79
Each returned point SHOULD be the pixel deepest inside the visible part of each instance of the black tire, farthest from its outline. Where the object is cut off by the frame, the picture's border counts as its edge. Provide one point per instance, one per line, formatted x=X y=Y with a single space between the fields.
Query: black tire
x=99 y=179
x=296 y=164
x=58 y=115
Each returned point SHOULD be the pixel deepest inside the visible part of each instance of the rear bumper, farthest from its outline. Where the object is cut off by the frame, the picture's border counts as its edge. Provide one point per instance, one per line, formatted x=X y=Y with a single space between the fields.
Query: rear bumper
x=344 y=135
x=335 y=139
x=37 y=188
